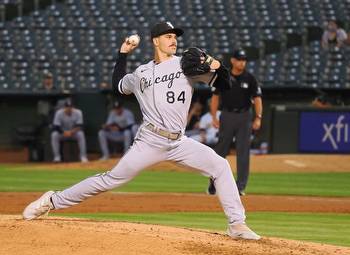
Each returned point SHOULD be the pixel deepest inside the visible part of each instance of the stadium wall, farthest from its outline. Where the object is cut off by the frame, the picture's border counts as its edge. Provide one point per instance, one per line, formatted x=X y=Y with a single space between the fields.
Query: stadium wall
x=21 y=111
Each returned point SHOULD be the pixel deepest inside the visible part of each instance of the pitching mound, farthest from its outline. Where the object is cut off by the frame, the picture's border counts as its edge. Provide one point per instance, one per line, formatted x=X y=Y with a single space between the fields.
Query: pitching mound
x=76 y=236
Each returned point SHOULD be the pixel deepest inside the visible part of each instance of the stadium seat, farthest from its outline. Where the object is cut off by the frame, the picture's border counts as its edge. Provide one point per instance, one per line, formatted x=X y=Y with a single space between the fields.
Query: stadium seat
x=286 y=32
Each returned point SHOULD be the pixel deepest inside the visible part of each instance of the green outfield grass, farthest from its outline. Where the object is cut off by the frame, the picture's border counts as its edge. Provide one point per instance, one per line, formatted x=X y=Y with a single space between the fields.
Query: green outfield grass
x=315 y=227
x=314 y=184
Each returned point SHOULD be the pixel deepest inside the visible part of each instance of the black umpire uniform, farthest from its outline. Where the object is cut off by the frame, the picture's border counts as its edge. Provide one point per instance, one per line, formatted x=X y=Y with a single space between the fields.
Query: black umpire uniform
x=236 y=117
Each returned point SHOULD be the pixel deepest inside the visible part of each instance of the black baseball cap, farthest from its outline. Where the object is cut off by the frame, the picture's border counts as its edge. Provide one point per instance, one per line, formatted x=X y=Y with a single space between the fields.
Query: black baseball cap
x=165 y=27
x=68 y=102
x=117 y=104
x=239 y=54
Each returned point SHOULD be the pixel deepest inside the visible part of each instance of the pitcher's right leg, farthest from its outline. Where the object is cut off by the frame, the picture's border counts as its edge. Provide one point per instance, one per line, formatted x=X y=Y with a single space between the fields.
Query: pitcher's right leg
x=203 y=158
x=140 y=156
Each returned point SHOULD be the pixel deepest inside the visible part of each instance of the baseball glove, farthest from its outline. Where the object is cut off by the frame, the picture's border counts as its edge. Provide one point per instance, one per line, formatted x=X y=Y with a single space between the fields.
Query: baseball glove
x=195 y=61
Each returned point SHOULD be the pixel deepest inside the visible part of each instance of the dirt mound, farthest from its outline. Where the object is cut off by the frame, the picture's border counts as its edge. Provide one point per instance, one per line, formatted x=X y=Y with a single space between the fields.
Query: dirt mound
x=76 y=236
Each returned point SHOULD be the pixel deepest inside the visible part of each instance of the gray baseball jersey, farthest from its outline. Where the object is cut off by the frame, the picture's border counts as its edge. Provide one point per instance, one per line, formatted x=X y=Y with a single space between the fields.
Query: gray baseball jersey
x=126 y=118
x=68 y=122
x=164 y=95
x=163 y=92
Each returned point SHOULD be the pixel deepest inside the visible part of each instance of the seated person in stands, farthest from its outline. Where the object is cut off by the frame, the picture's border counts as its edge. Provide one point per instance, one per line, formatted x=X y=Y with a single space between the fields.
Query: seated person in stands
x=47 y=85
x=333 y=36
x=45 y=105
x=67 y=125
x=119 y=127
x=321 y=101
x=104 y=86
x=47 y=82
x=208 y=133
x=193 y=119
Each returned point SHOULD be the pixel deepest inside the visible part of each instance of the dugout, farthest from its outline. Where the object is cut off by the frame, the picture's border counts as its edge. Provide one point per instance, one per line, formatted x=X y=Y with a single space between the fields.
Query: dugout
x=22 y=124
x=281 y=125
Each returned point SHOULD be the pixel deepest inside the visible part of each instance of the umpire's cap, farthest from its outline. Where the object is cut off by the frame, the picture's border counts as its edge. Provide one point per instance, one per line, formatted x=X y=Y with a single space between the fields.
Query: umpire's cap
x=165 y=27
x=240 y=54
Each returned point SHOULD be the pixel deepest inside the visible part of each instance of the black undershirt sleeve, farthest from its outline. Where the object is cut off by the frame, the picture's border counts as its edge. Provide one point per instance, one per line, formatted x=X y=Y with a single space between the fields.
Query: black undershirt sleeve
x=119 y=71
x=223 y=81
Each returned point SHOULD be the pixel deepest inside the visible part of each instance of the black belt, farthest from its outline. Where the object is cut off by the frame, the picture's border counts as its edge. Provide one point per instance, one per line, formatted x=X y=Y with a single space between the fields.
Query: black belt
x=236 y=110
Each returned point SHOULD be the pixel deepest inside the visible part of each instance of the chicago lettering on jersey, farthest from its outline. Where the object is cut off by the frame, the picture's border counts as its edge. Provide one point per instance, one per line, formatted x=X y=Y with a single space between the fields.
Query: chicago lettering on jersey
x=147 y=82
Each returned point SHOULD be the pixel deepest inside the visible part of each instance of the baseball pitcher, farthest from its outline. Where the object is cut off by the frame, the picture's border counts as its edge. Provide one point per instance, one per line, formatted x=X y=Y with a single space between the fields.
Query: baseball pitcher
x=163 y=88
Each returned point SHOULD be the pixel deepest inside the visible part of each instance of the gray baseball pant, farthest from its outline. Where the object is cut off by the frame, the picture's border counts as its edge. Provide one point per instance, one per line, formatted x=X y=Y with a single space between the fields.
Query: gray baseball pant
x=150 y=148
x=116 y=136
x=56 y=137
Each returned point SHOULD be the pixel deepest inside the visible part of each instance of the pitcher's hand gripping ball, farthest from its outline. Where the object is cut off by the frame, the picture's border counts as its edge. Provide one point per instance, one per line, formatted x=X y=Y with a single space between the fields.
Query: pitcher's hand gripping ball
x=134 y=39
x=195 y=61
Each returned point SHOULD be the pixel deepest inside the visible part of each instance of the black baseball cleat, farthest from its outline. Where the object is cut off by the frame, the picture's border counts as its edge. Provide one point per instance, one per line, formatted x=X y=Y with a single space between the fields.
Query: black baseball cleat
x=211 y=188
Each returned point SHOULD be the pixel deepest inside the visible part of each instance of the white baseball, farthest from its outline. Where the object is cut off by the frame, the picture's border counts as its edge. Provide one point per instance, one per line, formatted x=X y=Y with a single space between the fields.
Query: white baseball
x=134 y=39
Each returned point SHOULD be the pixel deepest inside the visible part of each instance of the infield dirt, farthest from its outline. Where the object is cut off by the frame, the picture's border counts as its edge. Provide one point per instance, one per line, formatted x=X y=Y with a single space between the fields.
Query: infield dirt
x=259 y=163
x=14 y=203
x=56 y=235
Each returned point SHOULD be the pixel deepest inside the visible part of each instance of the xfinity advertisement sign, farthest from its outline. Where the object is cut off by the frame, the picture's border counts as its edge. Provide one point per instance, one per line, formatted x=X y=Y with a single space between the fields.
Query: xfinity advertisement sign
x=324 y=132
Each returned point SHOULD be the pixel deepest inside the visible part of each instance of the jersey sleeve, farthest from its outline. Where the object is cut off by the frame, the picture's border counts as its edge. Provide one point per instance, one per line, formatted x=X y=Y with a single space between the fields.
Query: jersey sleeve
x=57 y=119
x=80 y=120
x=203 y=123
x=325 y=38
x=342 y=35
x=122 y=83
x=127 y=83
x=110 y=119
x=255 y=89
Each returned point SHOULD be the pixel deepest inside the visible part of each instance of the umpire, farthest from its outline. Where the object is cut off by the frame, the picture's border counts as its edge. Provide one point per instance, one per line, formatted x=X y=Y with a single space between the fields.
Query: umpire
x=236 y=117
